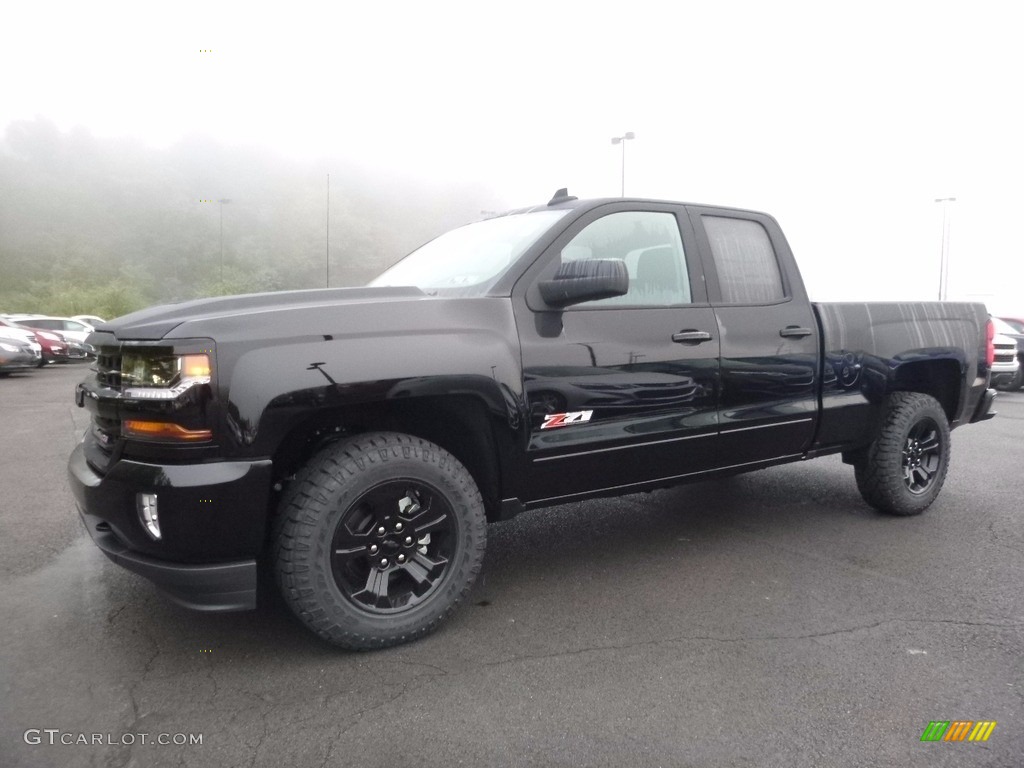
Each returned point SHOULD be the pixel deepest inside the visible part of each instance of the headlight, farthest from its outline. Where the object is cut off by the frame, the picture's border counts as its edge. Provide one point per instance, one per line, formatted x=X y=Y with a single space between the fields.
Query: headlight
x=166 y=394
x=153 y=375
x=8 y=347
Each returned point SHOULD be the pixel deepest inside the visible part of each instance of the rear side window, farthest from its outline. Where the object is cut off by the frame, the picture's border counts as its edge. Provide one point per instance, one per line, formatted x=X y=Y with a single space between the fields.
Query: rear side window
x=748 y=271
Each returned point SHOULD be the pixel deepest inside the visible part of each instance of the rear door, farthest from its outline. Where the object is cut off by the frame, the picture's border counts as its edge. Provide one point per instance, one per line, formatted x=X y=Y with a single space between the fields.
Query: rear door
x=768 y=406
x=620 y=390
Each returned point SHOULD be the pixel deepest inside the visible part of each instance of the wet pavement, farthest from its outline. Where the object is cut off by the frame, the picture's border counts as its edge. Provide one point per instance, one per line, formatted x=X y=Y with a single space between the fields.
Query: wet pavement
x=770 y=619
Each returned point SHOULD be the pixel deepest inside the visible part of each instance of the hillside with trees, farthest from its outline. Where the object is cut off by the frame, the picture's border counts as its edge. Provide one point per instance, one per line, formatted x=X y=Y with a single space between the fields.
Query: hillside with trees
x=105 y=226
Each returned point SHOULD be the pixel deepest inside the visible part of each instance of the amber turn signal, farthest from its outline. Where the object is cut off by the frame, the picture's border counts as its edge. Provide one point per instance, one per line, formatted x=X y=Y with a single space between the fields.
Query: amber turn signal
x=163 y=430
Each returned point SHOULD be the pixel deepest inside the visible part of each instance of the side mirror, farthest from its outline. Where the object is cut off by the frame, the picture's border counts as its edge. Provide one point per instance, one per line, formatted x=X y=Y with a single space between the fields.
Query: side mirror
x=585 y=280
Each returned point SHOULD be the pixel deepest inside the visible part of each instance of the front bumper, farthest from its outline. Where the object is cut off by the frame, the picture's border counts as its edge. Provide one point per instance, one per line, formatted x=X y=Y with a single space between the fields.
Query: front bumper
x=1001 y=378
x=221 y=587
x=18 y=361
x=212 y=520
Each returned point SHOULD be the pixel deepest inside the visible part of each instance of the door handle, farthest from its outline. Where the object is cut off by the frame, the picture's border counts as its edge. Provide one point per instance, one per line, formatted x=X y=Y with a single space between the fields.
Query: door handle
x=795 y=331
x=691 y=337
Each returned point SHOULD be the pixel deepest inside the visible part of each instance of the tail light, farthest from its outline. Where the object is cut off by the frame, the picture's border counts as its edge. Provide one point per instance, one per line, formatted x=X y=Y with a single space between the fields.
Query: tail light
x=990 y=347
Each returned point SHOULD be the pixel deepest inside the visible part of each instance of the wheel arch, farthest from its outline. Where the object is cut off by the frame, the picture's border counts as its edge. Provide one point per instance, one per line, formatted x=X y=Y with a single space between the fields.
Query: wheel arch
x=942 y=379
x=462 y=424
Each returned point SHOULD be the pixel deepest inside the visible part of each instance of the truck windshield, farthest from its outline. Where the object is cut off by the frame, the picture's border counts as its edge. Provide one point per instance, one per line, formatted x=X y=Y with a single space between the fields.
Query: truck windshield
x=467 y=261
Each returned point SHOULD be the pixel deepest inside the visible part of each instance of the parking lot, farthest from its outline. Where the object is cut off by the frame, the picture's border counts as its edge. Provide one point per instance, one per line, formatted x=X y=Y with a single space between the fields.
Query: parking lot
x=770 y=619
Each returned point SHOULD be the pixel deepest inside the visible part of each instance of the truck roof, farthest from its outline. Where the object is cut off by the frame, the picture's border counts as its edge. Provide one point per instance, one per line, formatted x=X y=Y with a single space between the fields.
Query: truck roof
x=562 y=200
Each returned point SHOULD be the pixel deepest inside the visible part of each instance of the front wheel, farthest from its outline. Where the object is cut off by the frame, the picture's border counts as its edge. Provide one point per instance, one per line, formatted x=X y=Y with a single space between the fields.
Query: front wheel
x=378 y=539
x=903 y=470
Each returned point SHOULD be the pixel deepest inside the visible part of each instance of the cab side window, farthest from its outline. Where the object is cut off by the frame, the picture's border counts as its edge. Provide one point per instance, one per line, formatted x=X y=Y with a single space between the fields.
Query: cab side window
x=650 y=244
x=748 y=271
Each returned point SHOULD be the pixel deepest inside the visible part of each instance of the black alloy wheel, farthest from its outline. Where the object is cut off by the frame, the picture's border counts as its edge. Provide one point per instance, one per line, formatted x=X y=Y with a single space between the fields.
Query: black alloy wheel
x=922 y=456
x=392 y=548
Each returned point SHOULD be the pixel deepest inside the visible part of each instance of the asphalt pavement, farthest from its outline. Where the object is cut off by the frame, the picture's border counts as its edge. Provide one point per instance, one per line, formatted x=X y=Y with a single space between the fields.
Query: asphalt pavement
x=771 y=619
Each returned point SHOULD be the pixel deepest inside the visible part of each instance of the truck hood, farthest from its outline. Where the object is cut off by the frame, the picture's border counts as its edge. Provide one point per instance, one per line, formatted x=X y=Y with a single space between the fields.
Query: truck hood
x=203 y=317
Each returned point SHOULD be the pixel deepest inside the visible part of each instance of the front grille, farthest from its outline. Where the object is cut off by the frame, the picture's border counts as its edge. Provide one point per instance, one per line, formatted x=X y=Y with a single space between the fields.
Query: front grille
x=108 y=367
x=106 y=431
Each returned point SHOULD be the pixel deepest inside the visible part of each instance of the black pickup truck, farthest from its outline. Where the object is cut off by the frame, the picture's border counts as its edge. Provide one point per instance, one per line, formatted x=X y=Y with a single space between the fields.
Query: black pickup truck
x=357 y=441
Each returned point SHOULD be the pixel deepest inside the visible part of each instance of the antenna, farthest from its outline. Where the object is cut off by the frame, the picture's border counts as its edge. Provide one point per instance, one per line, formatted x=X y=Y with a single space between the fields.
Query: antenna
x=561 y=196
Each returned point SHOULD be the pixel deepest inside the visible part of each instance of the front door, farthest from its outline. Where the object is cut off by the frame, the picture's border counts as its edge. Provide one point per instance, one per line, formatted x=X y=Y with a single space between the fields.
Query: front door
x=621 y=390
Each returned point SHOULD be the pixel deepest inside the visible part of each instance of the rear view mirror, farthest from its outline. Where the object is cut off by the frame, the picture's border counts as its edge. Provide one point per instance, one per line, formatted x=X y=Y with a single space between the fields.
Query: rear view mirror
x=585 y=280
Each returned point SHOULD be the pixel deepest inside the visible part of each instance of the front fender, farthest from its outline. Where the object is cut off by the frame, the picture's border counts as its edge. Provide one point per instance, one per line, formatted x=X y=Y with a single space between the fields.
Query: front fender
x=272 y=386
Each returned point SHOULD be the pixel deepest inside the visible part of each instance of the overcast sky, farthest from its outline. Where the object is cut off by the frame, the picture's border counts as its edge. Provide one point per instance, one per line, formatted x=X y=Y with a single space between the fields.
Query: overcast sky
x=844 y=121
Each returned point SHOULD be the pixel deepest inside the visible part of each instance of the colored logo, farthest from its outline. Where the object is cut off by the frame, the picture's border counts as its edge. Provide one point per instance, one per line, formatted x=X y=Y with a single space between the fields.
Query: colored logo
x=553 y=420
x=958 y=730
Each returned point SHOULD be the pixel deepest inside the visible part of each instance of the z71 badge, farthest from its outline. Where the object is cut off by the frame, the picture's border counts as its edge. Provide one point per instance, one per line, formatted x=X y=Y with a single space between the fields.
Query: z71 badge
x=553 y=420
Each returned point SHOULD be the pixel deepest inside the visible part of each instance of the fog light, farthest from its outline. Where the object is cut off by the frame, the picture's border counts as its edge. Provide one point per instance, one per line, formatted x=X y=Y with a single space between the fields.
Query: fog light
x=146 y=503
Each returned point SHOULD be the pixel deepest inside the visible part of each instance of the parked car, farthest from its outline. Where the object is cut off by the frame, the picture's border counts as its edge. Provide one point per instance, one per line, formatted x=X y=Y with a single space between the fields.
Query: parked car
x=1007 y=333
x=1017 y=323
x=54 y=348
x=71 y=329
x=16 y=354
x=9 y=330
x=89 y=320
x=78 y=352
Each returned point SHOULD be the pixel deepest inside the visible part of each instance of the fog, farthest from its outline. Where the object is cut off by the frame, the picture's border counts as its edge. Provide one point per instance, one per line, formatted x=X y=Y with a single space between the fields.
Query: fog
x=845 y=123
x=106 y=226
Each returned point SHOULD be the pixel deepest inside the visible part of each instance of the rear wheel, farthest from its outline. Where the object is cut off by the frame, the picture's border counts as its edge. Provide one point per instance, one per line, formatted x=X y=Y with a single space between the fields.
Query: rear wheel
x=378 y=539
x=903 y=470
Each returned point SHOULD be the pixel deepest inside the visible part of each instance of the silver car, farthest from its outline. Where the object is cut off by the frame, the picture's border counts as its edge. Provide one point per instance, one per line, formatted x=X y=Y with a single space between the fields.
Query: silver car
x=16 y=354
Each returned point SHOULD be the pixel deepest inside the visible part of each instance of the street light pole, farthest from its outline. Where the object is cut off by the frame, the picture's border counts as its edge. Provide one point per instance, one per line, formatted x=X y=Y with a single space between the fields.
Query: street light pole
x=222 y=201
x=622 y=140
x=944 y=264
x=328 y=254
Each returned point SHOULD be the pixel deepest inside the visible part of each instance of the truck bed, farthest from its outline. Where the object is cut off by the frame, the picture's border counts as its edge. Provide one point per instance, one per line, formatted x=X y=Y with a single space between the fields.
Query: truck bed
x=869 y=349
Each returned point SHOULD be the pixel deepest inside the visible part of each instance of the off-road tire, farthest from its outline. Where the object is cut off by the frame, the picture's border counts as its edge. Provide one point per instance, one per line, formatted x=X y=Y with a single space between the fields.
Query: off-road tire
x=328 y=523
x=902 y=471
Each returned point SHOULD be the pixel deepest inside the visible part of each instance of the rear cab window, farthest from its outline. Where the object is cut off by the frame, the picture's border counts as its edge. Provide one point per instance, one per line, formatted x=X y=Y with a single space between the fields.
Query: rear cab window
x=746 y=263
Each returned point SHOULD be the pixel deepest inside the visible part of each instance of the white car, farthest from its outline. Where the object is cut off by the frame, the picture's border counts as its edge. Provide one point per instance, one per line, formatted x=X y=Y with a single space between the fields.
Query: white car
x=65 y=326
x=92 y=320
x=1006 y=366
x=10 y=331
x=1006 y=369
